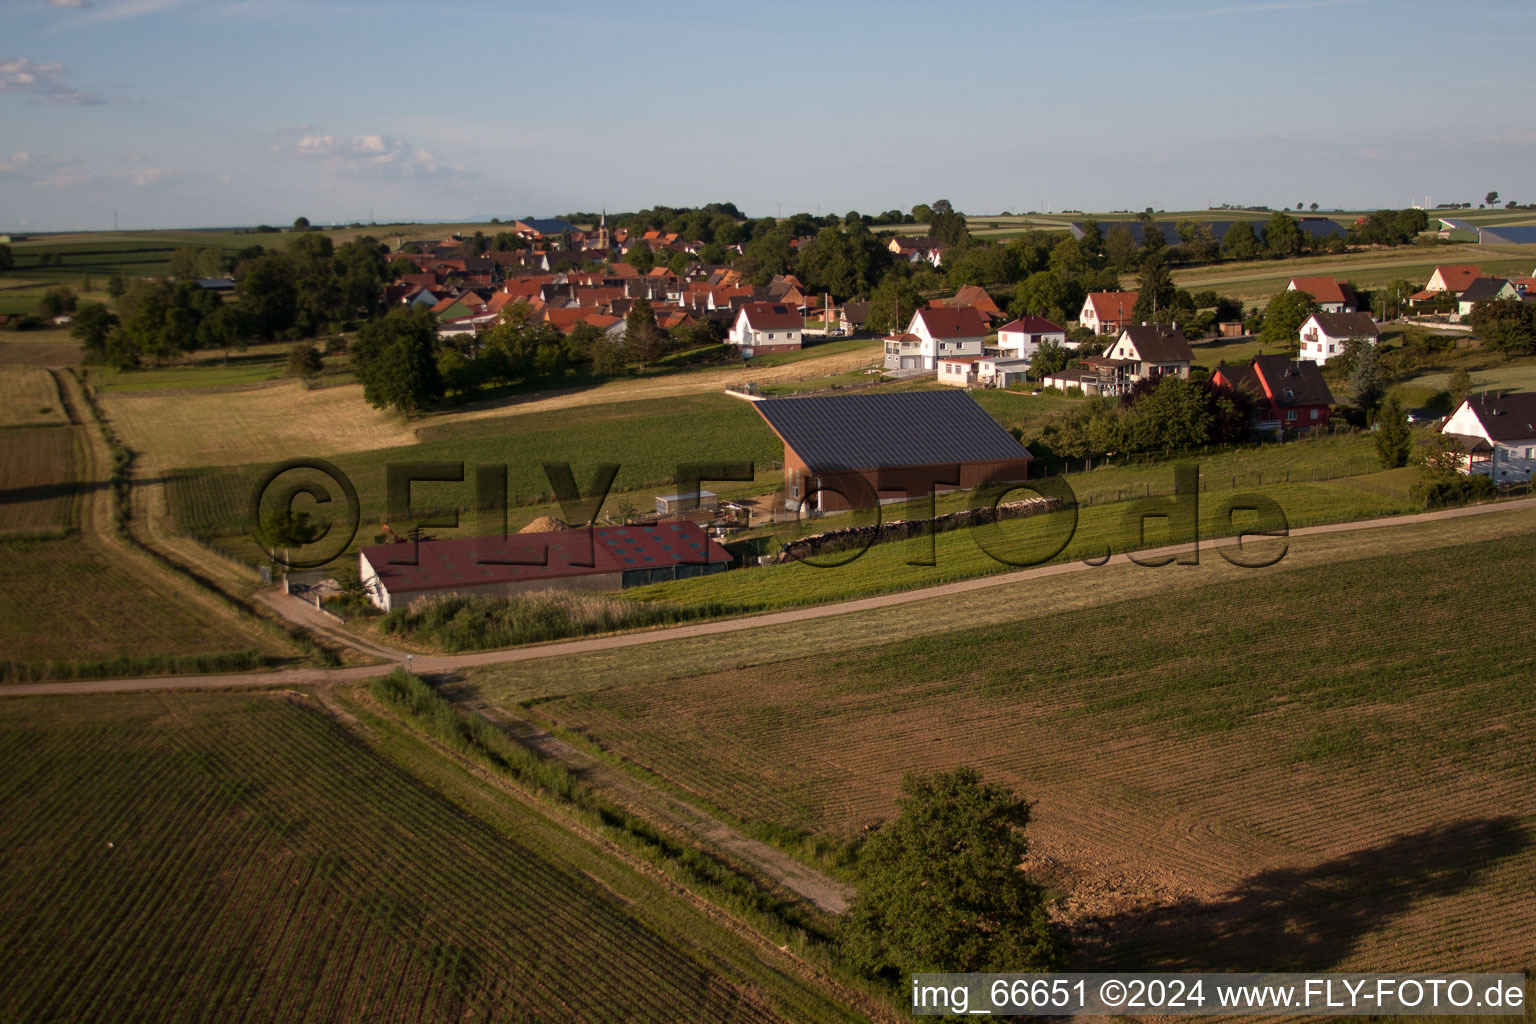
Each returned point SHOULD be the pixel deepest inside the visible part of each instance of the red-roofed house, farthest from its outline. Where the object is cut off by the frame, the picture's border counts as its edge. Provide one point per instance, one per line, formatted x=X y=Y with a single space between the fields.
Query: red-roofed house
x=976 y=296
x=1107 y=312
x=766 y=327
x=1453 y=278
x=935 y=334
x=1331 y=295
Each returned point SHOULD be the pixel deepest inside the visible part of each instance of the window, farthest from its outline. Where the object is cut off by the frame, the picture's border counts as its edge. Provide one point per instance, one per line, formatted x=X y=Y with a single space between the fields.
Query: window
x=770 y=335
x=1290 y=414
x=1314 y=414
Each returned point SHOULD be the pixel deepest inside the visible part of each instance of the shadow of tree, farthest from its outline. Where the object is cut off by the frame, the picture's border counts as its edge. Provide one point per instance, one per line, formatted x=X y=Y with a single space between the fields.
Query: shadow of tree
x=1299 y=919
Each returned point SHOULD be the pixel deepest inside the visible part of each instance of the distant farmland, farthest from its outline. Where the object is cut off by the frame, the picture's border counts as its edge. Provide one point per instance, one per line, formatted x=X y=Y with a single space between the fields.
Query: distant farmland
x=244 y=857
x=1321 y=768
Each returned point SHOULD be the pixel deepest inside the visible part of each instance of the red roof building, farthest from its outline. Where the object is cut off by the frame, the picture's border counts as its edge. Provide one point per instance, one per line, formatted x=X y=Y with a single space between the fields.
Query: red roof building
x=1107 y=312
x=596 y=559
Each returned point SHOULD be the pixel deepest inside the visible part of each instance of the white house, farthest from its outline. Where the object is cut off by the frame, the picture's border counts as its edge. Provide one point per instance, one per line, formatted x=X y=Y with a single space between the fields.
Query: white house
x=1150 y=351
x=1453 y=277
x=1498 y=432
x=1485 y=289
x=766 y=327
x=1023 y=337
x=934 y=334
x=1324 y=335
x=959 y=371
x=1331 y=295
x=1107 y=312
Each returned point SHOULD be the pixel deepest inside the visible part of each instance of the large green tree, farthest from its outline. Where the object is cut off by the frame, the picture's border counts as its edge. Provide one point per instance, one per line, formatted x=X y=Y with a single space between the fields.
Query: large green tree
x=1046 y=294
x=93 y=325
x=1394 y=438
x=1240 y=243
x=1507 y=325
x=1155 y=290
x=941 y=887
x=1367 y=381
x=1284 y=315
x=1282 y=235
x=892 y=304
x=396 y=360
x=948 y=225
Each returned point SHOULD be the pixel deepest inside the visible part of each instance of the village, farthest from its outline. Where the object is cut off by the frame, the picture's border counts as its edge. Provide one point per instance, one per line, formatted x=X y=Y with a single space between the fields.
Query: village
x=861 y=450
x=810 y=515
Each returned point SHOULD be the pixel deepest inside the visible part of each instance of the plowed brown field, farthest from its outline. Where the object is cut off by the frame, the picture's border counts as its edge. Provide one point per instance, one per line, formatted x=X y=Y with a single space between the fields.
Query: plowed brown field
x=1324 y=768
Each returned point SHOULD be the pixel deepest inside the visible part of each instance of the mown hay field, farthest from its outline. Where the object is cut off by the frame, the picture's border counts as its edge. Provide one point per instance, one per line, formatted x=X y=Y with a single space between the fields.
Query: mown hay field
x=246 y=857
x=184 y=424
x=61 y=600
x=177 y=427
x=29 y=397
x=37 y=479
x=1321 y=767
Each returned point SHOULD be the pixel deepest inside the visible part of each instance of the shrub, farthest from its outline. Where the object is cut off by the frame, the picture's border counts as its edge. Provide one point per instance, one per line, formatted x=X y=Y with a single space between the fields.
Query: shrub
x=1450 y=493
x=456 y=622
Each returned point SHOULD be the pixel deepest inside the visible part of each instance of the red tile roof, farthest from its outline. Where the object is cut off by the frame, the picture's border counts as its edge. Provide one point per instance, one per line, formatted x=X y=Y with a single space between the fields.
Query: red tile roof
x=457 y=564
x=1031 y=325
x=1324 y=289
x=951 y=322
x=1458 y=275
x=975 y=295
x=1112 y=306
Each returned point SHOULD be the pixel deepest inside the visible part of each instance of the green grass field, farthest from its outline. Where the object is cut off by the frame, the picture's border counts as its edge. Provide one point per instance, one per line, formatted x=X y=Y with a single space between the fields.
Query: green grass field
x=1318 y=766
x=958 y=554
x=648 y=440
x=247 y=857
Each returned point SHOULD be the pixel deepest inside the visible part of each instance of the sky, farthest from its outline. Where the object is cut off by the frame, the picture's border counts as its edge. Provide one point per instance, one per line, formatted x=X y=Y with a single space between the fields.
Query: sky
x=195 y=113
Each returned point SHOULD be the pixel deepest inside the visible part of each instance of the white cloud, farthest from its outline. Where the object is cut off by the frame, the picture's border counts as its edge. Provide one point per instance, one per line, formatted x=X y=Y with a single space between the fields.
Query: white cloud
x=25 y=168
x=69 y=3
x=369 y=156
x=45 y=82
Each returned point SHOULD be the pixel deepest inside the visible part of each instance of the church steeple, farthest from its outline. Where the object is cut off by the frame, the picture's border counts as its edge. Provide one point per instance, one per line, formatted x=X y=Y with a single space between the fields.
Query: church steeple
x=602 y=231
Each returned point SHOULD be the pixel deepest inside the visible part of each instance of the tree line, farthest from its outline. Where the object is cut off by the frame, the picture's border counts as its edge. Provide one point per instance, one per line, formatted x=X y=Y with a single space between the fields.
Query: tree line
x=309 y=288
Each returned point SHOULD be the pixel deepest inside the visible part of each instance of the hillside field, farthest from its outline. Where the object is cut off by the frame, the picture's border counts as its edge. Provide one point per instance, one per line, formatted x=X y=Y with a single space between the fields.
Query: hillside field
x=248 y=857
x=1320 y=766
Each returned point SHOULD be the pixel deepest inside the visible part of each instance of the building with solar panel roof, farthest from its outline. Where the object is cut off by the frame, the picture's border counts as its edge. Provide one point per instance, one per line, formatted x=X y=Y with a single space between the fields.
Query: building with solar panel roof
x=855 y=451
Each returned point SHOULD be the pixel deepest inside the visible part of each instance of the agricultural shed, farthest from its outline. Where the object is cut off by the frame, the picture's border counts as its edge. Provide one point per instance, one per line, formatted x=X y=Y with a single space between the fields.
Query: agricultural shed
x=621 y=557
x=841 y=452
